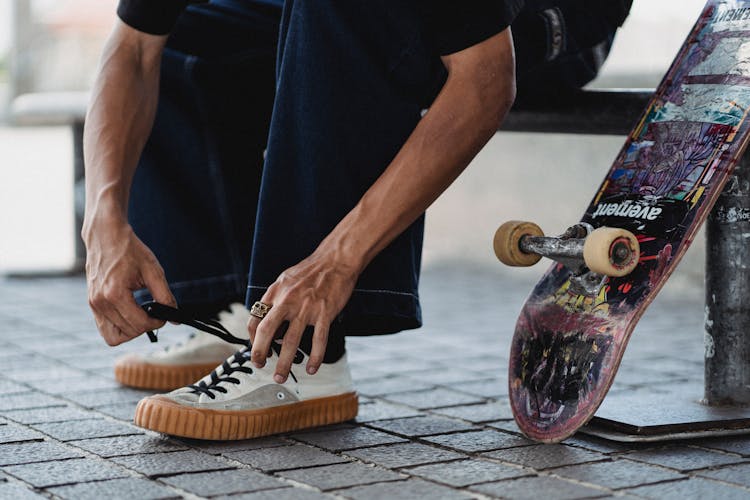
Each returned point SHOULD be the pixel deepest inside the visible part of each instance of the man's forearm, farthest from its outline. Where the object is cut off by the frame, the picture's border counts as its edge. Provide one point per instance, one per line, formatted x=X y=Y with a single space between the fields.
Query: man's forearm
x=121 y=114
x=470 y=107
x=120 y=118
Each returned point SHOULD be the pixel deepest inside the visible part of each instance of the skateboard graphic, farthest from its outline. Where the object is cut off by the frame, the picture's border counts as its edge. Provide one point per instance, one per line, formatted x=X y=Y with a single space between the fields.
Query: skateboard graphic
x=573 y=329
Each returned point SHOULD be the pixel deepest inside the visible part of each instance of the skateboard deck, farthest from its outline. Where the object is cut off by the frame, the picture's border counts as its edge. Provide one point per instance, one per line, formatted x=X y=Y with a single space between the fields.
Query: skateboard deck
x=567 y=346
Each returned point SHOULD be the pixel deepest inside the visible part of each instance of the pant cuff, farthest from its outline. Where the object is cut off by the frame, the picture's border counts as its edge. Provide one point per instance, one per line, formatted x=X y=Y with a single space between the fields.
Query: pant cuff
x=370 y=312
x=211 y=290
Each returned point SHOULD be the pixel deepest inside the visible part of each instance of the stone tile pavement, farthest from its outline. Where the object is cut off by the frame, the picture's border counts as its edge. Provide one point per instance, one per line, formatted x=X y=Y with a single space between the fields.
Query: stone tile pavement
x=434 y=420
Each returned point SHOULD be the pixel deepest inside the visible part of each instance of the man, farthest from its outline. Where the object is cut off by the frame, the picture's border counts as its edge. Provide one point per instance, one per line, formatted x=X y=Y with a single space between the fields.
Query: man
x=314 y=179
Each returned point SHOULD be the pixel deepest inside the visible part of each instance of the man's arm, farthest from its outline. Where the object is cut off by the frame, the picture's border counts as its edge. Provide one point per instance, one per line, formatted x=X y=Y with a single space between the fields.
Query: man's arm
x=477 y=95
x=120 y=117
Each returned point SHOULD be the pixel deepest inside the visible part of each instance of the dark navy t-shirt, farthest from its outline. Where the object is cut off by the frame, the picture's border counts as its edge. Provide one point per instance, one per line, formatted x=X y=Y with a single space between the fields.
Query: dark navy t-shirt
x=455 y=25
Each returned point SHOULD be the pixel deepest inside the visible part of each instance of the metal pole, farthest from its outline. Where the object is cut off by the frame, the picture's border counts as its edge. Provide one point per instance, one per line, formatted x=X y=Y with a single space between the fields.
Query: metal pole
x=79 y=195
x=727 y=337
x=20 y=65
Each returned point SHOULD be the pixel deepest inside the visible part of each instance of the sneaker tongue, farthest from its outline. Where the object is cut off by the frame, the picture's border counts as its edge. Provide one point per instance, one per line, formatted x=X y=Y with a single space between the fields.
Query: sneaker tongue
x=235 y=320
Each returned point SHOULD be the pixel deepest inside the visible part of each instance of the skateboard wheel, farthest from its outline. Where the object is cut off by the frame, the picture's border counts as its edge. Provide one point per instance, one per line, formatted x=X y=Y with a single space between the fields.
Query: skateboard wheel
x=507 y=243
x=611 y=252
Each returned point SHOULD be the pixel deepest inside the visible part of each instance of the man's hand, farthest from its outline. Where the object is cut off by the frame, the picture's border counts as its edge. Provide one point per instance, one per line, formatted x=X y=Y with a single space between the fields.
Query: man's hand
x=118 y=263
x=311 y=293
x=473 y=102
x=119 y=120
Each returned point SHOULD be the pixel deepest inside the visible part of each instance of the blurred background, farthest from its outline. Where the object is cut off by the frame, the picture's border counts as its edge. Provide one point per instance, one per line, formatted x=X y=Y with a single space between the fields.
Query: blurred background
x=53 y=46
x=47 y=48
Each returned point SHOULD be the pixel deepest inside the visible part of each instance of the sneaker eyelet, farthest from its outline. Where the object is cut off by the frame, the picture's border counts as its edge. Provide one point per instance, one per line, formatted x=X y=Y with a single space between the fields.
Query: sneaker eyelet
x=280 y=396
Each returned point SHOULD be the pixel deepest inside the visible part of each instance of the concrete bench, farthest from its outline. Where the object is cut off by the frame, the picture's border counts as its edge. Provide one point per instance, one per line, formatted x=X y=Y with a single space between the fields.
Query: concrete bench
x=49 y=108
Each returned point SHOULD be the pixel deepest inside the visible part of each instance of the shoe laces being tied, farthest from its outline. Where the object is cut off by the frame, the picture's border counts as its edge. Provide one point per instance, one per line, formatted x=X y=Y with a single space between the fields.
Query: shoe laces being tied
x=235 y=363
x=174 y=315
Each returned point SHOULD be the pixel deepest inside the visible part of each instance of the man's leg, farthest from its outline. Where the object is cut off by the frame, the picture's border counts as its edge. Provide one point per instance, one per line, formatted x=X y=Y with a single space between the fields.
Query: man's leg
x=195 y=192
x=368 y=74
x=352 y=80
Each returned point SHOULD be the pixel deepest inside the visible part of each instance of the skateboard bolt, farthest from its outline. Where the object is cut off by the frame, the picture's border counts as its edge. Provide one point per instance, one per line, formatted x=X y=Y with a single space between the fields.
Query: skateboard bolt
x=620 y=253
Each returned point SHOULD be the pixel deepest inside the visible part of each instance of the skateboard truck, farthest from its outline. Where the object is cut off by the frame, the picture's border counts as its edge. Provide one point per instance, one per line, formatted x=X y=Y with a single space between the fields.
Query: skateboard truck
x=591 y=254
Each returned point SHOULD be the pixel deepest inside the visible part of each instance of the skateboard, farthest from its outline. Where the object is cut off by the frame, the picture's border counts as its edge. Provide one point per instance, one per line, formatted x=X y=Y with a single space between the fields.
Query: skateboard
x=574 y=327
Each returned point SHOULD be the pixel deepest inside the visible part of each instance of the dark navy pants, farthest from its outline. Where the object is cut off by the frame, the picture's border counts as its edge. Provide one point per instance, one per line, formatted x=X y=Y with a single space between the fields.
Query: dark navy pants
x=350 y=84
x=271 y=125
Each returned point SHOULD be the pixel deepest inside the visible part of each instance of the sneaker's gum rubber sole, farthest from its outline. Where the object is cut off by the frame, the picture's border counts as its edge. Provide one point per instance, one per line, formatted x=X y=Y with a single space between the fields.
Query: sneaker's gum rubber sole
x=161 y=414
x=141 y=375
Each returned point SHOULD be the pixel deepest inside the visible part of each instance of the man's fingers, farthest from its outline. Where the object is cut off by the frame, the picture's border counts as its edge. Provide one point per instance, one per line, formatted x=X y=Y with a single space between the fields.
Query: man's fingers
x=264 y=335
x=116 y=318
x=319 y=344
x=113 y=327
x=112 y=335
x=156 y=282
x=254 y=322
x=138 y=318
x=107 y=330
x=288 y=350
x=252 y=327
x=119 y=307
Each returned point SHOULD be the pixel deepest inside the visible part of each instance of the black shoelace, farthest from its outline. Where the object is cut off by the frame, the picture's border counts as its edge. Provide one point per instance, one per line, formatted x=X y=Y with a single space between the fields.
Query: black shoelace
x=212 y=326
x=236 y=363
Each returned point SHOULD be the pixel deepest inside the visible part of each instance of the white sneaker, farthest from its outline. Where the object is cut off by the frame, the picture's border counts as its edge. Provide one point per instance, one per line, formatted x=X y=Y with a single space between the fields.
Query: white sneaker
x=181 y=364
x=239 y=401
